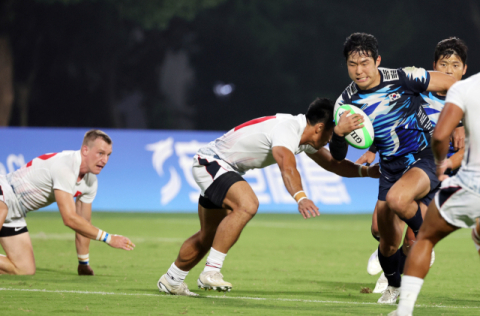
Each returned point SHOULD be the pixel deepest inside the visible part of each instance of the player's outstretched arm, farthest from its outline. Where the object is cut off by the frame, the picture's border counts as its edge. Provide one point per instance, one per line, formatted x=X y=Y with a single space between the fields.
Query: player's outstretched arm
x=66 y=206
x=440 y=82
x=344 y=168
x=291 y=178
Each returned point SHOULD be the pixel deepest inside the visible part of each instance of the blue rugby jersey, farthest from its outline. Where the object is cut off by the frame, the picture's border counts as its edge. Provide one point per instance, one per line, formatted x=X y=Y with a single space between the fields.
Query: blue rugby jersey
x=395 y=108
x=433 y=105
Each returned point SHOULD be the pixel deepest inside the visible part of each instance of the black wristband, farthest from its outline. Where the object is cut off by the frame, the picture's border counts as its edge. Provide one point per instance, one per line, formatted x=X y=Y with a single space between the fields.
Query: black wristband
x=338 y=147
x=460 y=124
x=373 y=149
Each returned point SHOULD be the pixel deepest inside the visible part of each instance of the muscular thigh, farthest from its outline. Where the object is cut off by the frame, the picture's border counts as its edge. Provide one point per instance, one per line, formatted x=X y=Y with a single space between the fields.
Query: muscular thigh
x=413 y=185
x=241 y=195
x=19 y=250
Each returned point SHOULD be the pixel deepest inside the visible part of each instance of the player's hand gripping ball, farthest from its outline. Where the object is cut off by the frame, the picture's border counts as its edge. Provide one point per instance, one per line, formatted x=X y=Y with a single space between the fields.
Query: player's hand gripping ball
x=361 y=138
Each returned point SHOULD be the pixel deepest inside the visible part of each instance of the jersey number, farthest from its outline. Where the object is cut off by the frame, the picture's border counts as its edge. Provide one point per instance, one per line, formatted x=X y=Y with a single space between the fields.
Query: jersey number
x=43 y=157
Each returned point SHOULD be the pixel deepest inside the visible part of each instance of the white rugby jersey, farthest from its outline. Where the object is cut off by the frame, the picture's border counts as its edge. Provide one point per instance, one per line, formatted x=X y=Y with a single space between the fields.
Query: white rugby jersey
x=249 y=146
x=34 y=183
x=466 y=95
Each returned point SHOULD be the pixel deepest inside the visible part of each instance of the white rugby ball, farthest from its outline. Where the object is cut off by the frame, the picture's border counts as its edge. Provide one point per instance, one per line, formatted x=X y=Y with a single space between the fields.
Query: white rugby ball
x=361 y=138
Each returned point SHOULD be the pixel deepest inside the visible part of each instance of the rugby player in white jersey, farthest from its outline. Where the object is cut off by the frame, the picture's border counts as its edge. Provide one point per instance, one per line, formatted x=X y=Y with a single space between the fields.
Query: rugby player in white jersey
x=56 y=177
x=457 y=203
x=450 y=57
x=227 y=202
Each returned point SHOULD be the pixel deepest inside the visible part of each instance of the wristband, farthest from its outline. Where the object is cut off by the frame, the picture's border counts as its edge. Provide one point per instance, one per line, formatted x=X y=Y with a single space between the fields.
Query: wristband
x=104 y=236
x=360 y=171
x=300 y=195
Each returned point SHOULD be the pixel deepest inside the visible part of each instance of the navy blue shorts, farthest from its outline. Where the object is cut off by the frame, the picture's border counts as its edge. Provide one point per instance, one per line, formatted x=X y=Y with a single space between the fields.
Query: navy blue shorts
x=394 y=169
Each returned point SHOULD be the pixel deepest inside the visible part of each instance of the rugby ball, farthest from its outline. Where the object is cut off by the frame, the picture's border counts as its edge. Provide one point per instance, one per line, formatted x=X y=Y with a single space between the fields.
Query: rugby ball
x=361 y=138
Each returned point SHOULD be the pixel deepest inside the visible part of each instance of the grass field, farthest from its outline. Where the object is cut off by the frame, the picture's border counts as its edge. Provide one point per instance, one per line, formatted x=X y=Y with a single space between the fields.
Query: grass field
x=282 y=265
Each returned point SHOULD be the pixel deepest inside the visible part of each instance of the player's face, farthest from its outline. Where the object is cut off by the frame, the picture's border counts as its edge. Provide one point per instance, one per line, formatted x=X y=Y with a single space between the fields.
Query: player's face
x=97 y=155
x=452 y=66
x=363 y=70
x=322 y=136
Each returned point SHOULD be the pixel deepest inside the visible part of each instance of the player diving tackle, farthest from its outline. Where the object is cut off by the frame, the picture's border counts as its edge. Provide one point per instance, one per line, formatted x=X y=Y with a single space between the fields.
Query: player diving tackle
x=227 y=202
x=57 y=177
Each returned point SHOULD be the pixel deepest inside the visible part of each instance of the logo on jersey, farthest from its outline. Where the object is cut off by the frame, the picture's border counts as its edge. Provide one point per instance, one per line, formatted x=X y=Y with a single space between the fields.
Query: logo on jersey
x=394 y=96
x=389 y=74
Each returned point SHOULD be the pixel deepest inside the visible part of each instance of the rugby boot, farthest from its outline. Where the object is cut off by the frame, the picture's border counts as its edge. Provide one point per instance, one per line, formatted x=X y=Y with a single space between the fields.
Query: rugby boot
x=390 y=295
x=182 y=289
x=213 y=280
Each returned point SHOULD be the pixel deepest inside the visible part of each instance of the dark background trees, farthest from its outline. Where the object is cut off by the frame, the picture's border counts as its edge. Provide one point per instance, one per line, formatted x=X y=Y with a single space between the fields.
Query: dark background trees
x=154 y=64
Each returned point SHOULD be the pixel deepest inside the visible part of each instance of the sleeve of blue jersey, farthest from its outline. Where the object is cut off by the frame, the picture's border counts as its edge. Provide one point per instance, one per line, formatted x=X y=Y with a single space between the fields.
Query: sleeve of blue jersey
x=414 y=79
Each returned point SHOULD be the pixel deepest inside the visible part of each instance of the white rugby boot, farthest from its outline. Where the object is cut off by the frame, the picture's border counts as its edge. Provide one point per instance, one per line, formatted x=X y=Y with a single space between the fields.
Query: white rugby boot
x=182 y=289
x=213 y=280
x=374 y=267
x=390 y=295
x=381 y=285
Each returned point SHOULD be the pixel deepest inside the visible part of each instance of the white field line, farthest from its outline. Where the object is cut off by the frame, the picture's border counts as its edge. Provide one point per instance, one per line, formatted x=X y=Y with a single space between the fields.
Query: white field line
x=229 y=297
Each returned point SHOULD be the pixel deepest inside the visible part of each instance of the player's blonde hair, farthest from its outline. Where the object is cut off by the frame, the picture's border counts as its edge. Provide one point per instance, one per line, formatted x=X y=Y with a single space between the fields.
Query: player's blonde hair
x=93 y=134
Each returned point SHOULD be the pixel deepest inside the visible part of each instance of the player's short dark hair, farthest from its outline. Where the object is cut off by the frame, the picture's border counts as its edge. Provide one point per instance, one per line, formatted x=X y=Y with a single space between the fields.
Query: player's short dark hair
x=362 y=43
x=321 y=111
x=451 y=46
x=93 y=134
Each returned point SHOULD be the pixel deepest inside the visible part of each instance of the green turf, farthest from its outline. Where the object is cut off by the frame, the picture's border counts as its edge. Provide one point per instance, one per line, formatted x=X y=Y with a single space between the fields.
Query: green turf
x=282 y=265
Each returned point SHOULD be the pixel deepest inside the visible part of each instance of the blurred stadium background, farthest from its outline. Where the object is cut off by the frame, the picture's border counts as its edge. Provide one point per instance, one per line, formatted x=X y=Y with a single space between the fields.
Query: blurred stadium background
x=157 y=74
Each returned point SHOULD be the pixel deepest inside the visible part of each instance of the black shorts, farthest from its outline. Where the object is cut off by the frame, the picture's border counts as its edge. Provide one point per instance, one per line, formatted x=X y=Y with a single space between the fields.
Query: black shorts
x=216 y=192
x=393 y=170
x=12 y=231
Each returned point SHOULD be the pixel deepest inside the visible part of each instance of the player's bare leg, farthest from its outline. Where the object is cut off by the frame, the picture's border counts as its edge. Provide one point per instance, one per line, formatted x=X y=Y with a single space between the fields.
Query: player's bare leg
x=476 y=236
x=418 y=262
x=19 y=257
x=400 y=203
x=243 y=202
x=197 y=246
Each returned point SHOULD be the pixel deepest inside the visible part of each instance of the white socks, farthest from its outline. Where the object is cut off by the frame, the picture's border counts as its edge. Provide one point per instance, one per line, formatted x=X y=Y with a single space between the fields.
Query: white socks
x=411 y=286
x=214 y=261
x=175 y=276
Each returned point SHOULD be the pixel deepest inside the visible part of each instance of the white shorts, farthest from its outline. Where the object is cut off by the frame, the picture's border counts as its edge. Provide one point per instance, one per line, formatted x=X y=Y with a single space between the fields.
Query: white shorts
x=207 y=169
x=214 y=177
x=460 y=207
x=15 y=215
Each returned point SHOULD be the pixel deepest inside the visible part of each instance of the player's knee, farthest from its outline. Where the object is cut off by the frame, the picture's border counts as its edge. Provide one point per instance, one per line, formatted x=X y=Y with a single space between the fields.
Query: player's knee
x=249 y=207
x=397 y=204
x=25 y=271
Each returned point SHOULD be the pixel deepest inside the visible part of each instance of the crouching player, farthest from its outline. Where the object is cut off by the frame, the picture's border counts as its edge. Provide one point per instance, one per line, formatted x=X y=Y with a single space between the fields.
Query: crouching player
x=456 y=204
x=56 y=177
x=227 y=202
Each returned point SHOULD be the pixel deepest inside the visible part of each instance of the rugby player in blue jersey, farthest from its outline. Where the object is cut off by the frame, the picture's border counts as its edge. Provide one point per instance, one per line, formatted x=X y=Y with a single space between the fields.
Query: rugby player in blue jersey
x=391 y=98
x=450 y=57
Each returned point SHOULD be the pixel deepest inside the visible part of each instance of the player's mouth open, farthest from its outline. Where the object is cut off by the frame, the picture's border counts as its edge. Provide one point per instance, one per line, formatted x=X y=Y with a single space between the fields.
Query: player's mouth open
x=362 y=79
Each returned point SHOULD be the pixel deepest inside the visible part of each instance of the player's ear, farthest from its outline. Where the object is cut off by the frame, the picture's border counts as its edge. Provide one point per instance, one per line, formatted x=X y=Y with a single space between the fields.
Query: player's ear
x=319 y=127
x=379 y=59
x=464 y=69
x=434 y=66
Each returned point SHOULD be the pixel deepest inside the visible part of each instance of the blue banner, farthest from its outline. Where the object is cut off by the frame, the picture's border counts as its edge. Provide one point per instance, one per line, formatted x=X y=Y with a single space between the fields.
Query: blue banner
x=150 y=171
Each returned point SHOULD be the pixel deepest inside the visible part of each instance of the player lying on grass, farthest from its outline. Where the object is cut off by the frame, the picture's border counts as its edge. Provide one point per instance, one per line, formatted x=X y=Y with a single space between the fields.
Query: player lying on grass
x=391 y=99
x=58 y=177
x=457 y=203
x=227 y=202
x=450 y=57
